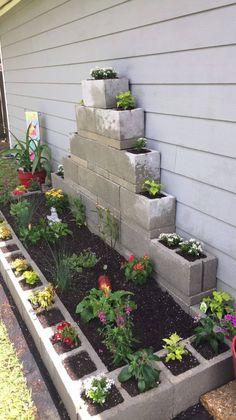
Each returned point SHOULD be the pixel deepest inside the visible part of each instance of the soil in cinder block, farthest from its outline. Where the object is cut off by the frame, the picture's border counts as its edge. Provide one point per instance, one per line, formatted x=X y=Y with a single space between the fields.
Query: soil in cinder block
x=131 y=386
x=114 y=398
x=177 y=367
x=51 y=317
x=206 y=350
x=26 y=286
x=79 y=365
x=9 y=248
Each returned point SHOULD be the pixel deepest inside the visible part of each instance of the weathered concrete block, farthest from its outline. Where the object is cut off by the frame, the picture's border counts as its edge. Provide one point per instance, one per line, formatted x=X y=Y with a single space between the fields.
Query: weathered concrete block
x=154 y=216
x=102 y=93
x=119 y=125
x=106 y=141
x=209 y=272
x=70 y=169
x=134 y=239
x=124 y=165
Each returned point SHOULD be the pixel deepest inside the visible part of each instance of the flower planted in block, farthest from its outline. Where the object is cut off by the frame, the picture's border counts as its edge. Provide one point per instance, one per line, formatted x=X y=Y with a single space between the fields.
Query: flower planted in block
x=66 y=335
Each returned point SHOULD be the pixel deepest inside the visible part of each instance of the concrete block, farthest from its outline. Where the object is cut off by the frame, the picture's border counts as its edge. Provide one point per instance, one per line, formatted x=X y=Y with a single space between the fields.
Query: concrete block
x=209 y=272
x=155 y=216
x=134 y=239
x=102 y=93
x=106 y=141
x=119 y=125
x=124 y=166
x=70 y=169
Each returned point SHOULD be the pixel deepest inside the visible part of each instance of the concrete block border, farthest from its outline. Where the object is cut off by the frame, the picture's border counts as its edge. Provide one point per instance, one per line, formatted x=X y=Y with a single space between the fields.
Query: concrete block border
x=173 y=395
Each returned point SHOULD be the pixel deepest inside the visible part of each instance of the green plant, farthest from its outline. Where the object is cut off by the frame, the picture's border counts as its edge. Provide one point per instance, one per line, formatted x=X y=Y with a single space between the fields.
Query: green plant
x=137 y=269
x=66 y=334
x=217 y=306
x=42 y=231
x=57 y=198
x=152 y=187
x=171 y=240
x=107 y=309
x=61 y=272
x=174 y=350
x=20 y=265
x=125 y=100
x=21 y=211
x=97 y=388
x=191 y=247
x=141 y=369
x=5 y=196
x=31 y=277
x=5 y=232
x=140 y=144
x=208 y=332
x=44 y=298
x=119 y=341
x=85 y=259
x=34 y=185
x=57 y=231
x=78 y=210
x=30 y=154
x=103 y=73
x=108 y=225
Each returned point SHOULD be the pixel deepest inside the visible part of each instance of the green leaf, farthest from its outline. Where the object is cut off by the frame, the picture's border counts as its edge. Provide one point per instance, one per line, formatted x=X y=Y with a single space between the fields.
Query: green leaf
x=124 y=375
x=141 y=385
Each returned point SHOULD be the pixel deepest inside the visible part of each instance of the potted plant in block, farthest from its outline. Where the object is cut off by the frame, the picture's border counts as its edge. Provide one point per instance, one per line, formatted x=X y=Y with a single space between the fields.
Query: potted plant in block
x=100 y=91
x=32 y=159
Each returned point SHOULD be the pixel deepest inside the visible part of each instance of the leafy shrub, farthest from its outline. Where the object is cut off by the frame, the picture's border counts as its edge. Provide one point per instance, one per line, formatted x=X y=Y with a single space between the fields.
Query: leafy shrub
x=208 y=332
x=44 y=298
x=119 y=341
x=97 y=388
x=20 y=265
x=50 y=233
x=125 y=100
x=217 y=306
x=85 y=259
x=57 y=231
x=78 y=210
x=66 y=334
x=103 y=73
x=191 y=247
x=5 y=232
x=171 y=240
x=137 y=269
x=141 y=369
x=56 y=198
x=31 y=277
x=174 y=350
x=152 y=187
x=140 y=144
x=23 y=211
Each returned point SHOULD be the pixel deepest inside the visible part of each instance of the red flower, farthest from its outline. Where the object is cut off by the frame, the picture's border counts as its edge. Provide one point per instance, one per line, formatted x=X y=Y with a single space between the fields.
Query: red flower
x=17 y=192
x=138 y=267
x=131 y=258
x=62 y=325
x=68 y=341
x=57 y=337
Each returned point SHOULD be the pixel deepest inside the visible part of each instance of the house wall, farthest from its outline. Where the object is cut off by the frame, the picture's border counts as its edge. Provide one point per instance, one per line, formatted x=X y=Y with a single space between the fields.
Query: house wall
x=180 y=57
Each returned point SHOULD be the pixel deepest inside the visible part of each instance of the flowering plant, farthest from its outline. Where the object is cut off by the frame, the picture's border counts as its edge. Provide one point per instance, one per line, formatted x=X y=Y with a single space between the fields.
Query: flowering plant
x=103 y=73
x=218 y=305
x=171 y=240
x=20 y=265
x=19 y=190
x=138 y=269
x=191 y=247
x=31 y=277
x=97 y=388
x=66 y=334
x=57 y=199
x=228 y=325
x=5 y=232
x=119 y=339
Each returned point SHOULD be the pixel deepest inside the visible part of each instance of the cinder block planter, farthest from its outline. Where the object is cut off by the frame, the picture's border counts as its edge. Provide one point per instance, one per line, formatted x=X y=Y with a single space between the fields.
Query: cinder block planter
x=189 y=278
x=111 y=123
x=154 y=216
x=127 y=169
x=102 y=93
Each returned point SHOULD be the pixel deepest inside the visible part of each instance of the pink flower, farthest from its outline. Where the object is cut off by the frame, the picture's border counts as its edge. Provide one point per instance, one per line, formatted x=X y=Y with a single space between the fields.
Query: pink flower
x=128 y=310
x=131 y=258
x=32 y=156
x=57 y=337
x=120 y=321
x=102 y=317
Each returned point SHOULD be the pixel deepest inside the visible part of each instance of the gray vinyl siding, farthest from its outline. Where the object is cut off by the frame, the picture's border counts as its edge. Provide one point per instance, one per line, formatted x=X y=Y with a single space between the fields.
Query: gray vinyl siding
x=180 y=57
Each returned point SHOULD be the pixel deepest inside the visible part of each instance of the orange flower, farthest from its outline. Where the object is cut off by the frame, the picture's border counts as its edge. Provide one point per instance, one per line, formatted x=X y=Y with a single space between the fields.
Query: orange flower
x=138 y=267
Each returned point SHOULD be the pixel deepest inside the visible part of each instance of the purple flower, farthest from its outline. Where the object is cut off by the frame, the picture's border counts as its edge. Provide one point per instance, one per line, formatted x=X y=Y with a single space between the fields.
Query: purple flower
x=228 y=317
x=128 y=310
x=120 y=321
x=102 y=317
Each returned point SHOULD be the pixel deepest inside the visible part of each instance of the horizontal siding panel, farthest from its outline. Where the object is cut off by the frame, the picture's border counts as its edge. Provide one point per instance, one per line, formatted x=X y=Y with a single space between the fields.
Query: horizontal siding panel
x=66 y=11
x=210 y=65
x=214 y=232
x=109 y=21
x=65 y=93
x=173 y=35
x=226 y=264
x=222 y=204
x=206 y=135
x=207 y=101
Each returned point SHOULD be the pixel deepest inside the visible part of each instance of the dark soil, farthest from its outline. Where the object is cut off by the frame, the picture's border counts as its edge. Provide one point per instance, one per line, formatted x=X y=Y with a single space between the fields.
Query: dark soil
x=61 y=348
x=26 y=286
x=50 y=318
x=207 y=352
x=79 y=365
x=9 y=248
x=131 y=386
x=157 y=316
x=13 y=257
x=138 y=152
x=151 y=197
x=177 y=367
x=191 y=258
x=114 y=398
x=196 y=412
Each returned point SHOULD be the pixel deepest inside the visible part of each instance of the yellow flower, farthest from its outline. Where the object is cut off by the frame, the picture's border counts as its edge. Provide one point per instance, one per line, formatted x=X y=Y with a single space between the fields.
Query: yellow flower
x=5 y=232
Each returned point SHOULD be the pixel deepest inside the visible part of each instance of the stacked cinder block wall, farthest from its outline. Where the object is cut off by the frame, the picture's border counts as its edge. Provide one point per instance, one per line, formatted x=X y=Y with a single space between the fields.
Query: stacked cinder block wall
x=180 y=59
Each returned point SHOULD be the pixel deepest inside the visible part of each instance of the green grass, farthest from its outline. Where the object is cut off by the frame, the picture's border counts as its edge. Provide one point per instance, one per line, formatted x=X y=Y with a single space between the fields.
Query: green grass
x=8 y=174
x=15 y=398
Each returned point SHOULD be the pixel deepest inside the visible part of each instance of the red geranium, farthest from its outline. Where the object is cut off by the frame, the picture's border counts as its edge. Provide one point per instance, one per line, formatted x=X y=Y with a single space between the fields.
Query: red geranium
x=66 y=334
x=138 y=267
x=131 y=258
x=68 y=341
